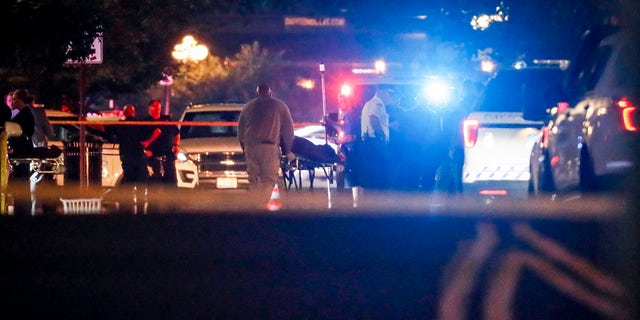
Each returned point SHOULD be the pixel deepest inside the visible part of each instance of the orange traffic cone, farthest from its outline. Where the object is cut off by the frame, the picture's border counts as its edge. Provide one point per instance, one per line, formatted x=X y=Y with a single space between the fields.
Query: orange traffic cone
x=274 y=203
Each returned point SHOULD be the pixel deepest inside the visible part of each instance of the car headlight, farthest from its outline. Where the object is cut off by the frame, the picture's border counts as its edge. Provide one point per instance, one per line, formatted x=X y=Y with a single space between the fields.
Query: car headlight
x=182 y=156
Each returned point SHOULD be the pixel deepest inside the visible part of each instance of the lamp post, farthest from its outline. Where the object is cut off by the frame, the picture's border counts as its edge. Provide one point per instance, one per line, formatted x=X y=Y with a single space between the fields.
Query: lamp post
x=166 y=82
x=324 y=100
x=187 y=51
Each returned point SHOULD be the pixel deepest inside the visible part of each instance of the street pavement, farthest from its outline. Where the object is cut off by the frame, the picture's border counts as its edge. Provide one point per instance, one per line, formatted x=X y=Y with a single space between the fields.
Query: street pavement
x=391 y=257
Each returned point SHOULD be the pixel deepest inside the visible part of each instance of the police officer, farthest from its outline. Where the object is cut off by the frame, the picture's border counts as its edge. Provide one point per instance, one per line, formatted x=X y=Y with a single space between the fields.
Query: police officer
x=163 y=144
x=133 y=158
x=374 y=128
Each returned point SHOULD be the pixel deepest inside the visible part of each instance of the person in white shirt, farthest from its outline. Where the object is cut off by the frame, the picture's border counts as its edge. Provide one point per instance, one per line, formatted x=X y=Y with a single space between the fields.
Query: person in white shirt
x=375 y=136
x=374 y=118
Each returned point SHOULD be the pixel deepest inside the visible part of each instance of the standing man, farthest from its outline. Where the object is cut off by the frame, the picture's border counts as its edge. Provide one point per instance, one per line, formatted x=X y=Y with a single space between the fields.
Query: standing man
x=134 y=159
x=163 y=144
x=265 y=123
x=374 y=128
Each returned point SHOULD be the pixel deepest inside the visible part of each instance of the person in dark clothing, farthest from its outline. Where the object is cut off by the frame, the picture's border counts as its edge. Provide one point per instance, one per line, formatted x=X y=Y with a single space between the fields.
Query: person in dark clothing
x=5 y=114
x=21 y=147
x=134 y=160
x=449 y=174
x=350 y=142
x=163 y=144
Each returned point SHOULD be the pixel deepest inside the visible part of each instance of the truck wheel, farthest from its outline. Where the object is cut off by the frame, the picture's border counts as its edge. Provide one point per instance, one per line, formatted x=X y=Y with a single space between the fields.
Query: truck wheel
x=546 y=177
x=588 y=181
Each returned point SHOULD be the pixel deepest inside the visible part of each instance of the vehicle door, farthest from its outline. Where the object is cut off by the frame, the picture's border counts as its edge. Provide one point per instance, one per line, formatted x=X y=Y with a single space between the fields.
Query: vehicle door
x=565 y=143
x=568 y=138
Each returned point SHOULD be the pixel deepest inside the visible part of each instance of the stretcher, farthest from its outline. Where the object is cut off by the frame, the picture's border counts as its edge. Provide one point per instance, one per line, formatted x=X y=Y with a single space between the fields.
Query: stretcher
x=292 y=171
x=309 y=157
x=41 y=160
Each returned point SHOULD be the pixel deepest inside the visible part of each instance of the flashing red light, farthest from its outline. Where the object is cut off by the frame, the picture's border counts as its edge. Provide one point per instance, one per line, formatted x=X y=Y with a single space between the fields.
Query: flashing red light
x=346 y=90
x=470 y=132
x=628 y=110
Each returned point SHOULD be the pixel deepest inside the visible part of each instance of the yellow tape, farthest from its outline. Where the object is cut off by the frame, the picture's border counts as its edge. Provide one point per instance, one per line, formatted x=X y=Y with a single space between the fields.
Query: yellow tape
x=4 y=173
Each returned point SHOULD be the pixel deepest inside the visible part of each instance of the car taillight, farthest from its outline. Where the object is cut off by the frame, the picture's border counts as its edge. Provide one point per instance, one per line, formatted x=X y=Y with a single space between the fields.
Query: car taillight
x=470 y=132
x=545 y=137
x=627 y=110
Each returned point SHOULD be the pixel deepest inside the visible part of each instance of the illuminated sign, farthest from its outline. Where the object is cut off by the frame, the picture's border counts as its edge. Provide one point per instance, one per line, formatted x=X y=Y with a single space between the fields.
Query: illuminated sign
x=314 y=22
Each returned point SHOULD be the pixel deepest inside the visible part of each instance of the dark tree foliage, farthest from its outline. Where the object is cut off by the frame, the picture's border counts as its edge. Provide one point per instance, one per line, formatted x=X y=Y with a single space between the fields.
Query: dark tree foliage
x=35 y=50
x=138 y=35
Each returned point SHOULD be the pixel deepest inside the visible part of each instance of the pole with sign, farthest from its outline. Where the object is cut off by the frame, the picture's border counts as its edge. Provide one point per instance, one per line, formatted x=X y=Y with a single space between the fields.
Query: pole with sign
x=324 y=100
x=94 y=58
x=166 y=82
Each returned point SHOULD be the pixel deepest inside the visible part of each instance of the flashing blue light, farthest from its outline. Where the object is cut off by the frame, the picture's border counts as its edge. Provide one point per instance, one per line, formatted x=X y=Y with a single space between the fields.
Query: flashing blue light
x=520 y=65
x=438 y=92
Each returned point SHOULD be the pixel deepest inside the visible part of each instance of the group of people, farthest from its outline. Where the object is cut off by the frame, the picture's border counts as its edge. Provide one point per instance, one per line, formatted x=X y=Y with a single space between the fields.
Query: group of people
x=405 y=146
x=147 y=153
x=265 y=133
x=19 y=108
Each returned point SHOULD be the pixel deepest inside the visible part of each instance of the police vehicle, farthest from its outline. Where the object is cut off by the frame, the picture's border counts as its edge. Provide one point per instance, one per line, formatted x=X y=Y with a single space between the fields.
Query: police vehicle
x=497 y=139
x=590 y=136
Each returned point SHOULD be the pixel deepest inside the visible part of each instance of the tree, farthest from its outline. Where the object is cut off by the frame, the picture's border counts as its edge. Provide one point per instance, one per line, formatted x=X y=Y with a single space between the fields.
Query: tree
x=224 y=79
x=137 y=35
x=43 y=31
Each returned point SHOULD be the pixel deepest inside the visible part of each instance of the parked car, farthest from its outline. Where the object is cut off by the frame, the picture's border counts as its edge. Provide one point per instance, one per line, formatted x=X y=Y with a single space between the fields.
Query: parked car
x=498 y=139
x=210 y=153
x=590 y=135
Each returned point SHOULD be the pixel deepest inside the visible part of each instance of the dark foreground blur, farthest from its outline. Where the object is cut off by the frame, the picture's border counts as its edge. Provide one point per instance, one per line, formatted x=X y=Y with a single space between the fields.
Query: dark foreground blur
x=204 y=255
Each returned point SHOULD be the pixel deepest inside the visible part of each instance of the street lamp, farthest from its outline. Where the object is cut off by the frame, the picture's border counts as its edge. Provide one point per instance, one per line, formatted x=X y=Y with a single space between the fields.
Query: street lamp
x=187 y=51
x=166 y=82
x=190 y=50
